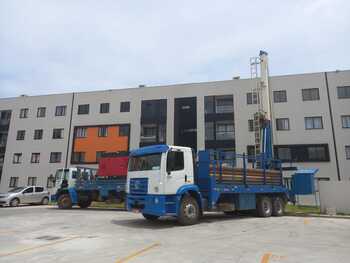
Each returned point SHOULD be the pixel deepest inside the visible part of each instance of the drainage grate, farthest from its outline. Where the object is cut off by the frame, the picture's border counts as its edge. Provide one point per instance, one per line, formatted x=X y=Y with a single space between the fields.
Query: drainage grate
x=48 y=238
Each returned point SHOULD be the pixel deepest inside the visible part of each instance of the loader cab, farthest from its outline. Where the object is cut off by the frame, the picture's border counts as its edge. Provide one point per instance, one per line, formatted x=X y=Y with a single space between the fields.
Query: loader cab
x=65 y=178
x=160 y=169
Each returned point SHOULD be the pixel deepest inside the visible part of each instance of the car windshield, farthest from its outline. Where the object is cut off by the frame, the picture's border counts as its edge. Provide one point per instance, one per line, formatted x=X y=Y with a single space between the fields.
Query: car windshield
x=145 y=162
x=16 y=190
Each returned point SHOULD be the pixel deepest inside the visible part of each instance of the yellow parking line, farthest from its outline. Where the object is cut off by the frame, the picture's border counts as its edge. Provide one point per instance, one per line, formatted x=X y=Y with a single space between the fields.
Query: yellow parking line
x=266 y=258
x=36 y=247
x=137 y=253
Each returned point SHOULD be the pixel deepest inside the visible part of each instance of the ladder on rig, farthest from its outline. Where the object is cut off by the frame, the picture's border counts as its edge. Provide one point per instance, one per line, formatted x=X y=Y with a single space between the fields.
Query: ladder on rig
x=254 y=62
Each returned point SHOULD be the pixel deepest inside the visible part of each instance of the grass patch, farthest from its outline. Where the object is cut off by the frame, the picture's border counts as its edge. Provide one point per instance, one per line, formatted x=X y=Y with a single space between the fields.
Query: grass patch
x=301 y=209
x=107 y=205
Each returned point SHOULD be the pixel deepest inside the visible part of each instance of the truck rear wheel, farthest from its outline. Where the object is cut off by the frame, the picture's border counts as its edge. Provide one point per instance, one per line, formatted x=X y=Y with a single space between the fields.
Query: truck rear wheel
x=64 y=201
x=277 y=206
x=150 y=217
x=264 y=206
x=189 y=211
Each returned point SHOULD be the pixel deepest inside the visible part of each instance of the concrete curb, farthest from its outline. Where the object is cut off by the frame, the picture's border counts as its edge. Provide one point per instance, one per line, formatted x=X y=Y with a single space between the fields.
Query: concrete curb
x=319 y=216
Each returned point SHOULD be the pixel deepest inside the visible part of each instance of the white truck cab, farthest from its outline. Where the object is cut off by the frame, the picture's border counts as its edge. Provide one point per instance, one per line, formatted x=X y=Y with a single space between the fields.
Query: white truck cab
x=158 y=177
x=166 y=171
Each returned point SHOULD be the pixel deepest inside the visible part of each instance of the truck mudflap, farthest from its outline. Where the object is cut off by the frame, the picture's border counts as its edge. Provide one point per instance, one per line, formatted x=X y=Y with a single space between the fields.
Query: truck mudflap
x=159 y=205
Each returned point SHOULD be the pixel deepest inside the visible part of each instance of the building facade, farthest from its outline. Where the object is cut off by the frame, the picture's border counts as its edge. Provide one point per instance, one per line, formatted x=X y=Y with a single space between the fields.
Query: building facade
x=311 y=124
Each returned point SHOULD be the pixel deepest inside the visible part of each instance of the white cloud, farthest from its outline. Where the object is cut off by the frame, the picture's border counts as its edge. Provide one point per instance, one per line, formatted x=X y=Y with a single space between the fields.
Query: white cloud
x=63 y=46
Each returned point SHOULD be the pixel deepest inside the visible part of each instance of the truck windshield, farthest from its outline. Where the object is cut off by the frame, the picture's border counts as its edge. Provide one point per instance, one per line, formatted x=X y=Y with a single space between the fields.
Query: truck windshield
x=145 y=162
x=61 y=174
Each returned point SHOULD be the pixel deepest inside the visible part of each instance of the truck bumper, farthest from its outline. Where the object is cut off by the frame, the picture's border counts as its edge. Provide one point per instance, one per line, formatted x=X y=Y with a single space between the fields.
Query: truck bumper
x=159 y=205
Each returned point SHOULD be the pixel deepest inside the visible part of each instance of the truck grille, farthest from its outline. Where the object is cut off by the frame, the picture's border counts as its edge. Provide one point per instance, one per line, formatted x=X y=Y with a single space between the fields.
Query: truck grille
x=138 y=185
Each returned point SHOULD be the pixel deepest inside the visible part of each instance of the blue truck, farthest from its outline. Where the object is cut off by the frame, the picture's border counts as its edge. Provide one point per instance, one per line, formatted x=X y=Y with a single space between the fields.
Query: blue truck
x=168 y=180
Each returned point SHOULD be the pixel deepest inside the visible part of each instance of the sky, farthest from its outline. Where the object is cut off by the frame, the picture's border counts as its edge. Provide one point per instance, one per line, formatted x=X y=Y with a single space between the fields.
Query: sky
x=69 y=46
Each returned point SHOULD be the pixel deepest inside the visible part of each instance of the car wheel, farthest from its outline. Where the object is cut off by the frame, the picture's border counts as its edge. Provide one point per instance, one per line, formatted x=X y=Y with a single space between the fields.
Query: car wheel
x=14 y=202
x=64 y=202
x=45 y=201
x=189 y=211
x=264 y=206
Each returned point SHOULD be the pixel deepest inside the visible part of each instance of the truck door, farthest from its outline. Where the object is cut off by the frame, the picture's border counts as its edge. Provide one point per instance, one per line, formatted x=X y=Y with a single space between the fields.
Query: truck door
x=175 y=172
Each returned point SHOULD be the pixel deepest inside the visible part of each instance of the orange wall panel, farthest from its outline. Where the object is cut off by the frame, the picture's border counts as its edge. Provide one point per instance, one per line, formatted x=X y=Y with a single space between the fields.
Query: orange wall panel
x=92 y=143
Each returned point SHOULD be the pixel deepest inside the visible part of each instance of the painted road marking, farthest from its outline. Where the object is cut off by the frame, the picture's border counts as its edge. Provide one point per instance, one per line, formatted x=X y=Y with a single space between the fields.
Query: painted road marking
x=306 y=221
x=266 y=258
x=138 y=253
x=37 y=247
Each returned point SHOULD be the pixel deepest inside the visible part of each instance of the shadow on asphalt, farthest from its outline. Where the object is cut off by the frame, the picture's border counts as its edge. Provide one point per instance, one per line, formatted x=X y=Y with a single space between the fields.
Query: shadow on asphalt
x=90 y=209
x=170 y=222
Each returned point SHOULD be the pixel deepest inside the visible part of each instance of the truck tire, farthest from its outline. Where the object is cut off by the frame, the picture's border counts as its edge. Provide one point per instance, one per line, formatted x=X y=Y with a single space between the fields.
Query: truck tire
x=278 y=206
x=150 y=217
x=264 y=206
x=45 y=201
x=85 y=203
x=189 y=211
x=64 y=201
x=14 y=202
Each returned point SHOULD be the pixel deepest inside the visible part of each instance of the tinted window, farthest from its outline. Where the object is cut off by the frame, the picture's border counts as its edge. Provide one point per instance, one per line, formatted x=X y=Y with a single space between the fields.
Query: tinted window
x=125 y=106
x=310 y=94
x=145 y=162
x=39 y=189
x=279 y=96
x=28 y=190
x=83 y=109
x=104 y=108
x=175 y=161
x=343 y=92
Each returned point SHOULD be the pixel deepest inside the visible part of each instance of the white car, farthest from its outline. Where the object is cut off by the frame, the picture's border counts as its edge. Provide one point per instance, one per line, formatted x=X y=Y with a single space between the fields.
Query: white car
x=25 y=195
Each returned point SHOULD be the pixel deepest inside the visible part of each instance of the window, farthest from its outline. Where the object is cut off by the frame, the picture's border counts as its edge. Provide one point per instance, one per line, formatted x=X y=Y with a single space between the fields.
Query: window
x=282 y=124
x=343 y=92
x=345 y=121
x=55 y=157
x=13 y=182
x=145 y=162
x=80 y=132
x=313 y=123
x=50 y=181
x=280 y=96
x=284 y=154
x=148 y=133
x=102 y=131
x=39 y=189
x=316 y=153
x=57 y=134
x=125 y=106
x=41 y=112
x=5 y=115
x=252 y=98
x=29 y=190
x=175 y=161
x=99 y=155
x=78 y=157
x=310 y=94
x=35 y=158
x=20 y=135
x=302 y=152
x=17 y=158
x=224 y=130
x=31 y=182
x=60 y=110
x=38 y=134
x=23 y=113
x=250 y=125
x=104 y=108
x=124 y=130
x=224 y=104
x=209 y=131
x=209 y=104
x=347 y=152
x=83 y=109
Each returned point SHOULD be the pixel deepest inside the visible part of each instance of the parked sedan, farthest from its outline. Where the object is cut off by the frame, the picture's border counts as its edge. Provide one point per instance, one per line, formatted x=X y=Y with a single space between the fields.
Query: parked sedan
x=25 y=195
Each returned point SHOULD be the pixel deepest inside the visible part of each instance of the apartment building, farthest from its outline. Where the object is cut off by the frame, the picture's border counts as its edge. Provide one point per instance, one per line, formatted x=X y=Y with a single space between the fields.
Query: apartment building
x=311 y=124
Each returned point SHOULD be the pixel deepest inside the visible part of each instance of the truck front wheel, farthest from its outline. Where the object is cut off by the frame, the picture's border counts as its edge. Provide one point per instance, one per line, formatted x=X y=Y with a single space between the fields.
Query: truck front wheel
x=64 y=201
x=150 y=217
x=189 y=211
x=264 y=206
